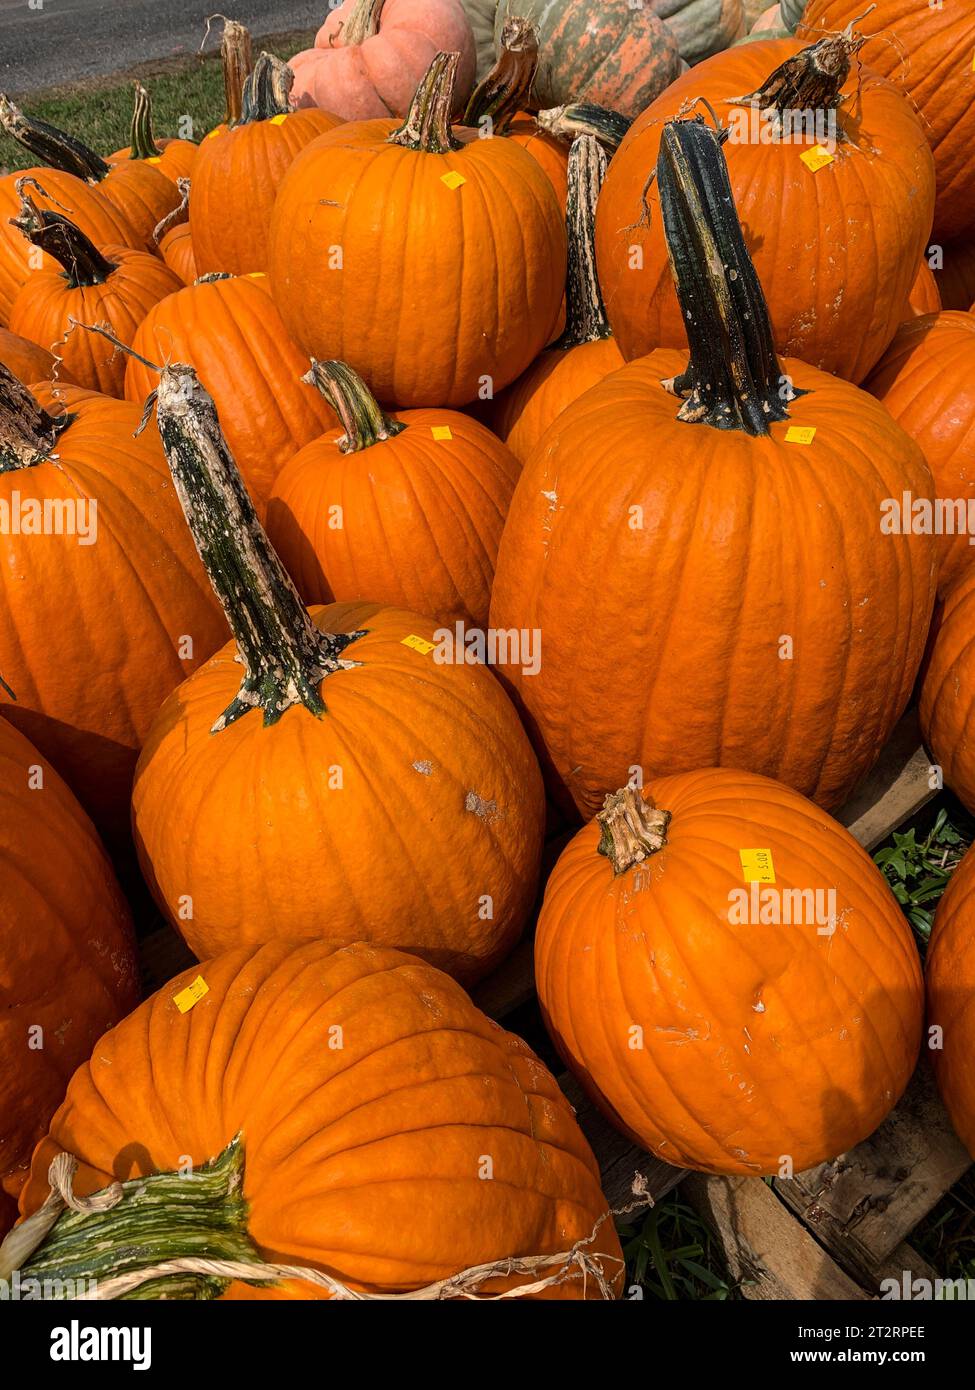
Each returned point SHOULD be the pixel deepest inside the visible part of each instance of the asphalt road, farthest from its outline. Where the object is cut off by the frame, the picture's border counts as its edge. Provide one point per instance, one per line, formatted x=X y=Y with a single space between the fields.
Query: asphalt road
x=44 y=43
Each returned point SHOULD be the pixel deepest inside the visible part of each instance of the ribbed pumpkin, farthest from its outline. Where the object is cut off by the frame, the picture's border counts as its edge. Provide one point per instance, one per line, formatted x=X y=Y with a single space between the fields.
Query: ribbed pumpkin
x=701 y=27
x=369 y=56
x=404 y=510
x=710 y=578
x=926 y=50
x=386 y=792
x=586 y=352
x=615 y=54
x=866 y=215
x=924 y=297
x=96 y=627
x=729 y=1019
x=69 y=969
x=238 y=172
x=430 y=260
x=173 y=157
x=228 y=329
x=112 y=286
x=950 y=976
x=926 y=380
x=176 y=249
x=367 y=1091
x=947 y=704
x=26 y=360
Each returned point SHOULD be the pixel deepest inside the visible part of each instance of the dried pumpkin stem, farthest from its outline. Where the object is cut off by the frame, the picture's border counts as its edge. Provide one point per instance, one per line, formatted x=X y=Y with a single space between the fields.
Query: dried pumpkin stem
x=362 y=23
x=733 y=379
x=178 y=215
x=285 y=656
x=631 y=828
x=585 y=312
x=236 y=59
x=50 y=145
x=267 y=92
x=427 y=125
x=363 y=418
x=84 y=265
x=28 y=434
x=506 y=89
x=142 y=144
x=584 y=118
x=808 y=81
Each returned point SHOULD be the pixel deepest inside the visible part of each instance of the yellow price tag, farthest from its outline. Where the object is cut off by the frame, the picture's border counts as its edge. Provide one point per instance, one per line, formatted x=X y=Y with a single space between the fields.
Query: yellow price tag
x=418 y=644
x=453 y=179
x=213 y=134
x=154 y=159
x=256 y=275
x=279 y=120
x=441 y=432
x=191 y=995
x=756 y=865
x=816 y=158
x=800 y=434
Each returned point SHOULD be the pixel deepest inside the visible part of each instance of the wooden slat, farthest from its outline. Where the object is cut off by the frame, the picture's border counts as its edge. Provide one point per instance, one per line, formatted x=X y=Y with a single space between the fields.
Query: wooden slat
x=894 y=791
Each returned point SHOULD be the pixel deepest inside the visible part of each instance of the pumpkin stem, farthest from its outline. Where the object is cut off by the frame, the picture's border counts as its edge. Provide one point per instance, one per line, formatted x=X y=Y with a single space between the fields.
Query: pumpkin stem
x=267 y=92
x=631 y=828
x=362 y=23
x=84 y=265
x=584 y=118
x=733 y=379
x=427 y=125
x=28 y=434
x=142 y=144
x=362 y=417
x=585 y=312
x=50 y=145
x=808 y=81
x=178 y=215
x=236 y=59
x=506 y=89
x=285 y=656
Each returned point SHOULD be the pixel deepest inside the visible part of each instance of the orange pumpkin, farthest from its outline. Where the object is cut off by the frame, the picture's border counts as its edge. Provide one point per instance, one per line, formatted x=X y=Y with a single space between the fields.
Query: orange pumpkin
x=26 y=360
x=405 y=510
x=174 y=158
x=69 y=969
x=925 y=380
x=950 y=976
x=866 y=214
x=367 y=1090
x=248 y=829
x=924 y=297
x=956 y=275
x=947 y=703
x=729 y=1014
x=238 y=171
x=430 y=260
x=710 y=578
x=176 y=249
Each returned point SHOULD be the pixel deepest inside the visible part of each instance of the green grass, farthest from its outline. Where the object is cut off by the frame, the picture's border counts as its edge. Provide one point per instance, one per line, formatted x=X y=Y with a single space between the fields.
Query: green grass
x=672 y=1255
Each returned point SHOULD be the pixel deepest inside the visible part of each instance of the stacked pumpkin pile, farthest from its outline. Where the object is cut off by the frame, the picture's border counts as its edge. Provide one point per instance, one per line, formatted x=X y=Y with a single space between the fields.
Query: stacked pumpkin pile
x=558 y=358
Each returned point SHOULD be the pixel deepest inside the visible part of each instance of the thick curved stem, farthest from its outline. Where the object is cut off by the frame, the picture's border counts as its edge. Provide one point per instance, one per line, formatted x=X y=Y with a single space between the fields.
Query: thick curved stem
x=362 y=23
x=583 y=118
x=811 y=81
x=506 y=89
x=363 y=418
x=84 y=265
x=28 y=434
x=50 y=145
x=267 y=92
x=585 y=312
x=142 y=144
x=427 y=125
x=631 y=828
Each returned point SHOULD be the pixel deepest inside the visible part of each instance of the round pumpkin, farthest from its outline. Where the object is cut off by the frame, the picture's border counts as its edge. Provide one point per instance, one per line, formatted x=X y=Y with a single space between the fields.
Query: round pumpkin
x=230 y=331
x=947 y=703
x=69 y=968
x=174 y=158
x=701 y=27
x=924 y=297
x=728 y=975
x=104 y=604
x=26 y=360
x=404 y=510
x=467 y=235
x=926 y=380
x=176 y=249
x=368 y=1093
x=710 y=578
x=926 y=51
x=950 y=977
x=868 y=211
x=238 y=172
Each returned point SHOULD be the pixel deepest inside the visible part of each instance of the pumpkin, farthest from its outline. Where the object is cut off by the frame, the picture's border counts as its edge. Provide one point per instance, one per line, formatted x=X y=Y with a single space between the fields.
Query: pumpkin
x=26 y=360
x=481 y=14
x=172 y=157
x=813 y=1033
x=924 y=297
x=370 y=55
x=238 y=172
x=925 y=381
x=948 y=689
x=69 y=969
x=404 y=510
x=111 y=286
x=701 y=27
x=615 y=54
x=103 y=611
x=176 y=249
x=465 y=232
x=360 y=1091
x=956 y=275
x=950 y=976
x=926 y=51
x=710 y=577
x=228 y=329
x=586 y=352
x=869 y=215
x=363 y=712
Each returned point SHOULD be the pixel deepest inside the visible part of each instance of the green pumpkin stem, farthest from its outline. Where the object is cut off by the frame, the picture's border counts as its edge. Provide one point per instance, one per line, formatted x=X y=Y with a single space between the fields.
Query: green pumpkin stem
x=28 y=434
x=506 y=89
x=631 y=829
x=362 y=417
x=427 y=125
x=584 y=118
x=267 y=91
x=362 y=23
x=142 y=144
x=733 y=379
x=285 y=656
x=585 y=312
x=83 y=264
x=50 y=145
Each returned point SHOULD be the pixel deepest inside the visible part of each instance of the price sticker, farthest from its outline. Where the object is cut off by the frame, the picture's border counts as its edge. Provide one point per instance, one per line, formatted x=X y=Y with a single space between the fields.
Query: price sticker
x=418 y=644
x=816 y=158
x=756 y=865
x=279 y=120
x=453 y=179
x=191 y=995
x=800 y=434
x=441 y=432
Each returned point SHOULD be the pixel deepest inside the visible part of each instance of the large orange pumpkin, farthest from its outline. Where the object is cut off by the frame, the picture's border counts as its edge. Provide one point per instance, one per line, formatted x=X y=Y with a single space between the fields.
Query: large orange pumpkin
x=105 y=607
x=947 y=704
x=430 y=260
x=950 y=976
x=836 y=247
x=728 y=975
x=404 y=510
x=391 y=1136
x=926 y=380
x=926 y=50
x=26 y=360
x=173 y=157
x=710 y=579
x=69 y=969
x=387 y=792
